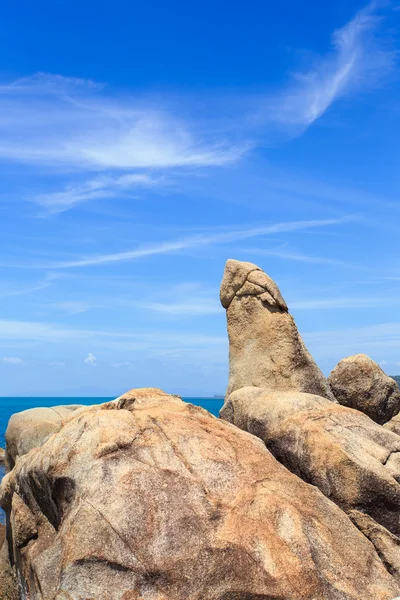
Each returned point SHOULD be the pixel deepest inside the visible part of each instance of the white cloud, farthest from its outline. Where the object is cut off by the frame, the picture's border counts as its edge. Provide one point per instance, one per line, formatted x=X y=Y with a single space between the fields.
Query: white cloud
x=196 y=241
x=63 y=122
x=12 y=360
x=90 y=359
x=100 y=187
x=358 y=60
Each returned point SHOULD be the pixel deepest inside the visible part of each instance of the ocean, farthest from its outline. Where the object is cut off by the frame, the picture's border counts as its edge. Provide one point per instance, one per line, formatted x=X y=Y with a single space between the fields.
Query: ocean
x=9 y=406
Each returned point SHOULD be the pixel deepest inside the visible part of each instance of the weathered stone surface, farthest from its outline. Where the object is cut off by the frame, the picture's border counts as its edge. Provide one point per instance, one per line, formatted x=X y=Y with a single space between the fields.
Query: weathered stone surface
x=150 y=498
x=351 y=459
x=266 y=349
x=359 y=382
x=8 y=582
x=30 y=428
x=2 y=456
x=393 y=424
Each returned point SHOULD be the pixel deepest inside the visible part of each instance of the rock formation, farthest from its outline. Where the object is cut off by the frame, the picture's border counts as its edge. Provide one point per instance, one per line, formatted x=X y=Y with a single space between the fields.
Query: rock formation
x=2 y=456
x=30 y=428
x=358 y=382
x=150 y=498
x=351 y=459
x=8 y=582
x=265 y=347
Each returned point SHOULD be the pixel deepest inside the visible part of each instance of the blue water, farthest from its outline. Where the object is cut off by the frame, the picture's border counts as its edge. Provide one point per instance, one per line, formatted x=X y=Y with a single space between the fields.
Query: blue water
x=9 y=406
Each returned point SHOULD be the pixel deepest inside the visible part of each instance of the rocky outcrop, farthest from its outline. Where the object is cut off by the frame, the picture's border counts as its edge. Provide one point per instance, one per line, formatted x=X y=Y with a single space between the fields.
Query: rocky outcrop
x=359 y=382
x=265 y=347
x=8 y=581
x=30 y=428
x=351 y=459
x=150 y=498
x=2 y=456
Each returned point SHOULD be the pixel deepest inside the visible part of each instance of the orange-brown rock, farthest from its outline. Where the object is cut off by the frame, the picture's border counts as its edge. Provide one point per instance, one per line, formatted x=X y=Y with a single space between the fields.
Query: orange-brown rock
x=265 y=347
x=359 y=382
x=151 y=498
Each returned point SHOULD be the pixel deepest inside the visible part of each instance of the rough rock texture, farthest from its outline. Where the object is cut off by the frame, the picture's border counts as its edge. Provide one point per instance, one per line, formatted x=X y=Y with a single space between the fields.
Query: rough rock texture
x=266 y=349
x=351 y=459
x=8 y=582
x=150 y=498
x=358 y=382
x=394 y=424
x=2 y=456
x=30 y=428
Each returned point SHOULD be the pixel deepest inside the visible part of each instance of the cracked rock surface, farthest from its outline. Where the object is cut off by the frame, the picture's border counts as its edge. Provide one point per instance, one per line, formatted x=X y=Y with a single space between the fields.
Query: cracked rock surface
x=150 y=498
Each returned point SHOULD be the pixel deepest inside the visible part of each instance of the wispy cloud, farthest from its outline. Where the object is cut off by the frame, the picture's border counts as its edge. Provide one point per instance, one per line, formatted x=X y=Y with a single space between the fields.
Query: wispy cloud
x=79 y=125
x=53 y=332
x=100 y=187
x=358 y=60
x=12 y=360
x=286 y=254
x=10 y=291
x=116 y=144
x=347 y=303
x=201 y=240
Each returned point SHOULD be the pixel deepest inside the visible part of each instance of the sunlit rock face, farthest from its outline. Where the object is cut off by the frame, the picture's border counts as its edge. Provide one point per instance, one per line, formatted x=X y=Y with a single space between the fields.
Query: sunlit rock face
x=351 y=459
x=359 y=382
x=265 y=347
x=150 y=498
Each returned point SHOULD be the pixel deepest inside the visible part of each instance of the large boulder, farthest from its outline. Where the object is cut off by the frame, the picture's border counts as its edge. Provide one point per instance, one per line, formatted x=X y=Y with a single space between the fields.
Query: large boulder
x=30 y=428
x=359 y=382
x=151 y=498
x=351 y=459
x=266 y=349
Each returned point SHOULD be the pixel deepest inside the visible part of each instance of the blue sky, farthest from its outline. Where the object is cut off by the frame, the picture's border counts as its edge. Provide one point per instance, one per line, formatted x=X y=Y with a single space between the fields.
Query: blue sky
x=143 y=144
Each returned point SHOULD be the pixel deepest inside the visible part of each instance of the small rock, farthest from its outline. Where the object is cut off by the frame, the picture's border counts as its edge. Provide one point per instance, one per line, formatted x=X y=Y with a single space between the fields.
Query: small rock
x=359 y=382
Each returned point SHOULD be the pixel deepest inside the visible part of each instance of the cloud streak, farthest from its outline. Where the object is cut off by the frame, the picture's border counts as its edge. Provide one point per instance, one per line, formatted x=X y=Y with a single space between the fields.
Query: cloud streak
x=357 y=61
x=196 y=241
x=95 y=188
